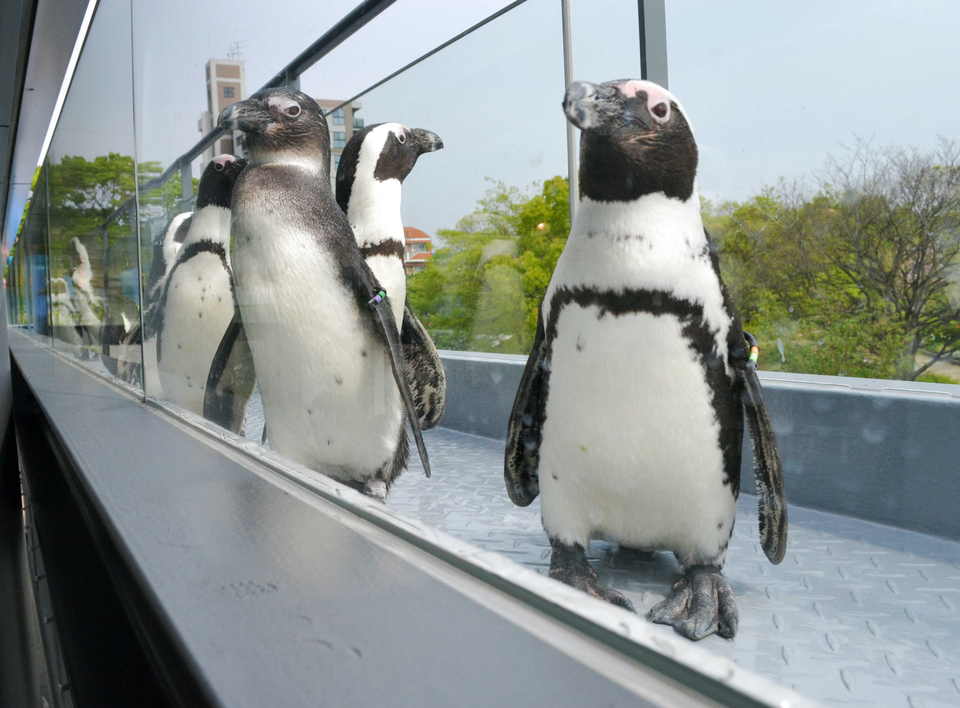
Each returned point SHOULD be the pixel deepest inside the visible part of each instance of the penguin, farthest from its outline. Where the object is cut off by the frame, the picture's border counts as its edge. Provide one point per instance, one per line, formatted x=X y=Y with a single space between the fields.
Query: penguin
x=321 y=328
x=128 y=363
x=373 y=165
x=629 y=416
x=87 y=305
x=196 y=304
x=165 y=251
x=66 y=322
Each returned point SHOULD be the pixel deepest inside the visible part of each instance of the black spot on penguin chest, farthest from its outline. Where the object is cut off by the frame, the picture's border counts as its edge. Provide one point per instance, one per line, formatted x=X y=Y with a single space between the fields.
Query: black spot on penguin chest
x=699 y=337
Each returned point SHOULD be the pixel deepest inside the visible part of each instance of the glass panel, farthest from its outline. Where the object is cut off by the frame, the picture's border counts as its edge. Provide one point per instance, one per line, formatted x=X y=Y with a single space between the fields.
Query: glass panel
x=90 y=173
x=493 y=202
x=612 y=26
x=833 y=208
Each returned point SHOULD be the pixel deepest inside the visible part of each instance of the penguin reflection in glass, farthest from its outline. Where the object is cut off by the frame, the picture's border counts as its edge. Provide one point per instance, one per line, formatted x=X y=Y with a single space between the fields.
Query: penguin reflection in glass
x=197 y=301
x=319 y=325
x=629 y=416
x=372 y=168
x=165 y=251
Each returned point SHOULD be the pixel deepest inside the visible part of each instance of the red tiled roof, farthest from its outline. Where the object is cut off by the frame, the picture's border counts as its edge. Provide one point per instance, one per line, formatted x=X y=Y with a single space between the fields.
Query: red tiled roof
x=413 y=235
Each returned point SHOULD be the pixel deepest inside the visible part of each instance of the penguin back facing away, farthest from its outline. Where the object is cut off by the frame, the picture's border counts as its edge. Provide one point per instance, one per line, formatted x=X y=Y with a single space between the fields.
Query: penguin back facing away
x=197 y=301
x=629 y=418
x=372 y=168
x=326 y=360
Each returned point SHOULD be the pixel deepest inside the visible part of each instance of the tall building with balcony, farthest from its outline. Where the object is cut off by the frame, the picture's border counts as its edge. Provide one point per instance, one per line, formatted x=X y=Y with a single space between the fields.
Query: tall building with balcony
x=226 y=84
x=417 y=250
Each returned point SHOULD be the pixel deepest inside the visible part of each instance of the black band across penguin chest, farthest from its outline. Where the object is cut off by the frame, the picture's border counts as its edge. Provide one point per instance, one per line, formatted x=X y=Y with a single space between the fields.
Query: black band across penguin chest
x=697 y=338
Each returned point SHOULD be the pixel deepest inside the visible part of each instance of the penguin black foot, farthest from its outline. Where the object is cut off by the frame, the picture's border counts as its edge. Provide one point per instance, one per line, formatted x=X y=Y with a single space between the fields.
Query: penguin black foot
x=701 y=603
x=569 y=565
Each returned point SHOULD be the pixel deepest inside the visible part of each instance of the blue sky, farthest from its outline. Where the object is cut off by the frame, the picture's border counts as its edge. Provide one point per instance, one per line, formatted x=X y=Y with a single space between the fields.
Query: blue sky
x=771 y=88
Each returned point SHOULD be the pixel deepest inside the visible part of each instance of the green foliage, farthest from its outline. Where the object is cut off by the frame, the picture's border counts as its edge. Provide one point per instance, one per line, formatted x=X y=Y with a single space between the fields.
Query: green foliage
x=858 y=277
x=867 y=263
x=937 y=379
x=483 y=287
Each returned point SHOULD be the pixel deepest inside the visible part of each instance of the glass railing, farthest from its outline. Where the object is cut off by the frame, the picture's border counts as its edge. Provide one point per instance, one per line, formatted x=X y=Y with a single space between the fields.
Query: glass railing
x=840 y=251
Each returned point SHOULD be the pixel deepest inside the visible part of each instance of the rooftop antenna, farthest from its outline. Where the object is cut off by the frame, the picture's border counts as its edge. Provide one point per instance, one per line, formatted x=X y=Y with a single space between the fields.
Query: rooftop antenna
x=236 y=50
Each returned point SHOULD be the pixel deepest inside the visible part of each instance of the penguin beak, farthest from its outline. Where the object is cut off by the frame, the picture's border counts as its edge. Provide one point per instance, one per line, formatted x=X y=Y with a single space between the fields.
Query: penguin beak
x=250 y=116
x=589 y=106
x=426 y=141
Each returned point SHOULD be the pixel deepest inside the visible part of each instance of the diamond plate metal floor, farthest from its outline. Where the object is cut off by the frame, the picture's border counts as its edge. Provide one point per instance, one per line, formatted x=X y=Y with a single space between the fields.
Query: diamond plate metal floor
x=857 y=613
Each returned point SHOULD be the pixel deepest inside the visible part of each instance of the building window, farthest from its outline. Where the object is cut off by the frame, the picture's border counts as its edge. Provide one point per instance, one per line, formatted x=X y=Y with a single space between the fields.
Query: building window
x=339 y=139
x=419 y=247
x=336 y=162
x=338 y=117
x=228 y=91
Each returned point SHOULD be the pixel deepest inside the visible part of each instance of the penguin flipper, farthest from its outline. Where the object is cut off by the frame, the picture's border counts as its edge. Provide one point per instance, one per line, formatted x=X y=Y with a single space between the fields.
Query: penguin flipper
x=424 y=370
x=231 y=379
x=522 y=457
x=766 y=466
x=370 y=295
x=387 y=324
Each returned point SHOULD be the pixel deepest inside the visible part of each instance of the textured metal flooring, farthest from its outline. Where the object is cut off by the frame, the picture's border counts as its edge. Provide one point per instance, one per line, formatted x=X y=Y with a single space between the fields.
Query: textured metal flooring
x=857 y=613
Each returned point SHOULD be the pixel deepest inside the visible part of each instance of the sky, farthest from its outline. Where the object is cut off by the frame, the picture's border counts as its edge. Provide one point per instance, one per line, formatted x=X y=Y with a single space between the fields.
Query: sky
x=771 y=89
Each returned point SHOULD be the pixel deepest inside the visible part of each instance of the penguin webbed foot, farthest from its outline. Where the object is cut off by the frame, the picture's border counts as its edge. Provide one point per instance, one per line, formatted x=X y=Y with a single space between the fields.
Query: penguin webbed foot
x=376 y=489
x=569 y=565
x=701 y=604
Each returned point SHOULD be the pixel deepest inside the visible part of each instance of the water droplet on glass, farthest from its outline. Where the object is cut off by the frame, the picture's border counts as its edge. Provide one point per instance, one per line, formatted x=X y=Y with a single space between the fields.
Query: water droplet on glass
x=783 y=357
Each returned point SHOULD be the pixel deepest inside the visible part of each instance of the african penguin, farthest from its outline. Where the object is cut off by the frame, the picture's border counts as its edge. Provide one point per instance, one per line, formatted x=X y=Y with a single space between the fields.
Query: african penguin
x=372 y=168
x=87 y=305
x=320 y=327
x=165 y=251
x=197 y=301
x=129 y=361
x=629 y=415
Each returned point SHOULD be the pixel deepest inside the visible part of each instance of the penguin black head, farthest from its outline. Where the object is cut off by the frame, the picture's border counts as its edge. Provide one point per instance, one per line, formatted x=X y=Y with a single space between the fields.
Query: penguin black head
x=280 y=124
x=382 y=152
x=217 y=180
x=636 y=140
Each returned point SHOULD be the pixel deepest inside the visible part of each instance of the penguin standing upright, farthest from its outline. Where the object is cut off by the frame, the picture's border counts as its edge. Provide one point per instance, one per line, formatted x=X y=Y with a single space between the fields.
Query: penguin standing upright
x=372 y=168
x=197 y=301
x=87 y=305
x=320 y=327
x=629 y=416
x=165 y=251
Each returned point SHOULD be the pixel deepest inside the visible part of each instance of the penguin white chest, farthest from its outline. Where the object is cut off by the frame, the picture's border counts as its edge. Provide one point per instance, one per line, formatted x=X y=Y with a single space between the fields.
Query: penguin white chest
x=328 y=393
x=199 y=307
x=630 y=442
x=389 y=272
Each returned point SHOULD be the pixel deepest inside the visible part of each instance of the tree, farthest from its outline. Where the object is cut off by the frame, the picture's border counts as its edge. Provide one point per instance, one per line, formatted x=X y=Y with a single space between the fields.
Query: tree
x=864 y=269
x=483 y=286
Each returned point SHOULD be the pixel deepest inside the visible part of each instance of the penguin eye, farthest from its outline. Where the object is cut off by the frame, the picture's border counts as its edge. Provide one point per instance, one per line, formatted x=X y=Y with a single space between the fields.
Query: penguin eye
x=218 y=166
x=660 y=111
x=293 y=110
x=402 y=138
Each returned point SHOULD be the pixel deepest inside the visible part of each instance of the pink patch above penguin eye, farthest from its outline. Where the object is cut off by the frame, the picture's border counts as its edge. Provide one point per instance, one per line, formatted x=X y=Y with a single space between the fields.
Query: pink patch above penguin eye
x=632 y=88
